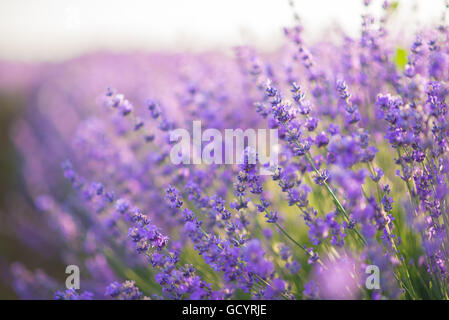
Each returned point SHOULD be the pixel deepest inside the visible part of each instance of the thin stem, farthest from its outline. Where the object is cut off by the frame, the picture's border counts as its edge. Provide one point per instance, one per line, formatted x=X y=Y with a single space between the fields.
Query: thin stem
x=329 y=190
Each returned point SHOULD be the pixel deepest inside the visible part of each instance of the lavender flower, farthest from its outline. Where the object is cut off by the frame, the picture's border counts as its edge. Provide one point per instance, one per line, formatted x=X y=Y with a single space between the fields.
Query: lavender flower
x=361 y=178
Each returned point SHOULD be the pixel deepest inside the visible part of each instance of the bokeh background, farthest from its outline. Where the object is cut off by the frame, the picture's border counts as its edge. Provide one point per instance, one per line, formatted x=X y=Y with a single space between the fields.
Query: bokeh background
x=48 y=45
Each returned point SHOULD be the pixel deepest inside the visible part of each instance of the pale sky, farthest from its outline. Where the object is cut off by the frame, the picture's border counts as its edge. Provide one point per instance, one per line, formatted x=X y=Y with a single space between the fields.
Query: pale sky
x=42 y=30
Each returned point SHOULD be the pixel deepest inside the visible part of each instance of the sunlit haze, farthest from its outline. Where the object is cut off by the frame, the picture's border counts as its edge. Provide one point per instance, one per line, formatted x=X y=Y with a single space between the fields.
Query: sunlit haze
x=57 y=29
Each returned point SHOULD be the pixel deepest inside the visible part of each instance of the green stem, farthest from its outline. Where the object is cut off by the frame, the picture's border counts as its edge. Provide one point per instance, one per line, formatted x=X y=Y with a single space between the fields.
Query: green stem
x=329 y=190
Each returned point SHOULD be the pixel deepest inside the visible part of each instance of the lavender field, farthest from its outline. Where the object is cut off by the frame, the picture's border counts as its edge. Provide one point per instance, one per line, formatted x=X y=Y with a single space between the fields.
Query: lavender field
x=94 y=204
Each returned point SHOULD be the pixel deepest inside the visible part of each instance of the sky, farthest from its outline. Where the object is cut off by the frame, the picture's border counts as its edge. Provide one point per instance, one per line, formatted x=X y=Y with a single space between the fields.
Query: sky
x=46 y=30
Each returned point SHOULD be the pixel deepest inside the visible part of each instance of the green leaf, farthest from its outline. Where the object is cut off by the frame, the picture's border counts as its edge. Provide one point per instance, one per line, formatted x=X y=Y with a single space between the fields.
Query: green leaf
x=400 y=58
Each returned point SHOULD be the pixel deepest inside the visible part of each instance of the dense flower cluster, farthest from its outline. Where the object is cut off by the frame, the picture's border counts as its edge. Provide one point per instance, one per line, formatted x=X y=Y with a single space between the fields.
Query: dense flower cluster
x=362 y=177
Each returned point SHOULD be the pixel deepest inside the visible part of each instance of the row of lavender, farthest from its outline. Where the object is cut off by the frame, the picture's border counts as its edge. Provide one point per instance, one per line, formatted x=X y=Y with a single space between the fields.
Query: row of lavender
x=362 y=178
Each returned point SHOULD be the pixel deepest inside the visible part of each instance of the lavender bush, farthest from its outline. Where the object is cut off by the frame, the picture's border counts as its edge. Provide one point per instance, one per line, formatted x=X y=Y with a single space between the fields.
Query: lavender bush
x=361 y=184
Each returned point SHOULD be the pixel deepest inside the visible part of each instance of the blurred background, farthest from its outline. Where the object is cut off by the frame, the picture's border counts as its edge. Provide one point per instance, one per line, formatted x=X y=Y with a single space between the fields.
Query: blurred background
x=45 y=41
